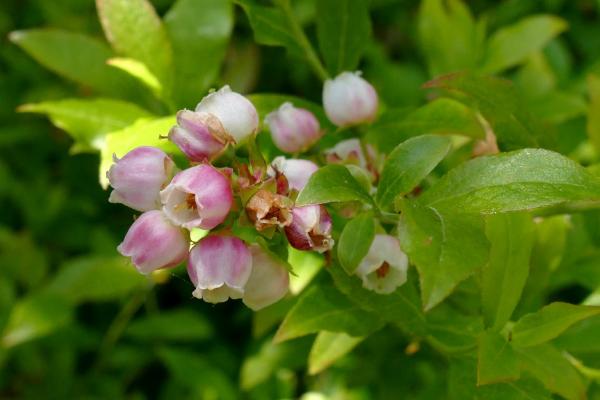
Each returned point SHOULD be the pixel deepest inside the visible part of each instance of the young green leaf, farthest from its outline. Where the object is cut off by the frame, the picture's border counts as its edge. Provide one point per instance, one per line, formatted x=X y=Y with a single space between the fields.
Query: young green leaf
x=436 y=242
x=511 y=237
x=134 y=30
x=557 y=374
x=500 y=104
x=516 y=181
x=323 y=307
x=549 y=322
x=145 y=132
x=511 y=45
x=199 y=30
x=332 y=183
x=88 y=121
x=75 y=56
x=328 y=348
x=343 y=30
x=178 y=325
x=355 y=241
x=593 y=114
x=139 y=71
x=408 y=164
x=498 y=362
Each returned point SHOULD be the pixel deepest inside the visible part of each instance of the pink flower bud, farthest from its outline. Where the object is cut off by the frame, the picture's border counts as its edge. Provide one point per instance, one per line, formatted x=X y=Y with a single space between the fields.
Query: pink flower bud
x=293 y=129
x=219 y=267
x=153 y=242
x=297 y=172
x=138 y=177
x=200 y=136
x=347 y=152
x=310 y=229
x=349 y=100
x=384 y=267
x=269 y=280
x=198 y=197
x=235 y=112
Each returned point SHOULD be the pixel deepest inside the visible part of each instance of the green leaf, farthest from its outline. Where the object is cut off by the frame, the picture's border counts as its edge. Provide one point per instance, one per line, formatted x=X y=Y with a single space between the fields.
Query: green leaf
x=549 y=322
x=557 y=374
x=35 y=316
x=450 y=38
x=408 y=164
x=178 y=325
x=332 y=183
x=436 y=242
x=511 y=237
x=270 y=26
x=139 y=71
x=306 y=265
x=516 y=181
x=402 y=307
x=511 y=45
x=500 y=104
x=498 y=362
x=593 y=114
x=88 y=121
x=145 y=132
x=355 y=240
x=199 y=31
x=134 y=30
x=450 y=331
x=343 y=31
x=328 y=348
x=442 y=116
x=75 y=56
x=96 y=279
x=322 y=307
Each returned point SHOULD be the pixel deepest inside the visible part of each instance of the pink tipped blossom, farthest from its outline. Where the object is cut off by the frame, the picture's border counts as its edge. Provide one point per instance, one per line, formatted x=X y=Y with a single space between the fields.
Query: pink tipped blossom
x=198 y=197
x=268 y=282
x=349 y=100
x=219 y=267
x=384 y=267
x=200 y=136
x=153 y=242
x=293 y=129
x=139 y=176
x=310 y=228
x=237 y=114
x=297 y=172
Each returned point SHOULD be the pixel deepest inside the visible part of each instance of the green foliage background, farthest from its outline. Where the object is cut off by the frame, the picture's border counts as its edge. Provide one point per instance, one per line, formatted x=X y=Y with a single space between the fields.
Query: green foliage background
x=78 y=322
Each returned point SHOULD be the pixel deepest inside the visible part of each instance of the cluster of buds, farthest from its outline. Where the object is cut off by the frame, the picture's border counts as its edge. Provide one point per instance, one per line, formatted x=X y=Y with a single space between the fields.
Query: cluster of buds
x=221 y=265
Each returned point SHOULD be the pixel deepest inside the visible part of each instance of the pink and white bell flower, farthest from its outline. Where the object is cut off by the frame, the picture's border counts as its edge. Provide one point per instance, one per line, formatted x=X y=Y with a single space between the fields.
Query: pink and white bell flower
x=268 y=282
x=153 y=242
x=219 y=267
x=310 y=228
x=347 y=151
x=349 y=100
x=198 y=197
x=296 y=171
x=237 y=114
x=384 y=267
x=293 y=130
x=138 y=177
x=200 y=136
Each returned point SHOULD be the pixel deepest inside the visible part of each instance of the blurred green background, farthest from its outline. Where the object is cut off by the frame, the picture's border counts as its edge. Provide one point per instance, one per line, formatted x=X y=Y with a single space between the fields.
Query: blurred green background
x=79 y=322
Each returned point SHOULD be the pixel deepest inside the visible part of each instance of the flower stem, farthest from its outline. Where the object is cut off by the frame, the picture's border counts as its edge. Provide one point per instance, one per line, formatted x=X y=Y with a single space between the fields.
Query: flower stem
x=298 y=32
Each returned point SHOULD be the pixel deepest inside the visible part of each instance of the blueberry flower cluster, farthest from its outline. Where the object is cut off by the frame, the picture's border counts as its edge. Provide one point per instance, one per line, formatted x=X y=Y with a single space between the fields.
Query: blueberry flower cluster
x=252 y=193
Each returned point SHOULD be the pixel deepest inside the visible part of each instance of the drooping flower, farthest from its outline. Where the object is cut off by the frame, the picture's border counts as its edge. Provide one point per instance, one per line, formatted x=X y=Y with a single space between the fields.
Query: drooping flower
x=269 y=280
x=384 y=267
x=293 y=129
x=310 y=228
x=347 y=152
x=200 y=136
x=153 y=242
x=139 y=176
x=266 y=209
x=297 y=172
x=349 y=100
x=198 y=197
x=236 y=113
x=219 y=267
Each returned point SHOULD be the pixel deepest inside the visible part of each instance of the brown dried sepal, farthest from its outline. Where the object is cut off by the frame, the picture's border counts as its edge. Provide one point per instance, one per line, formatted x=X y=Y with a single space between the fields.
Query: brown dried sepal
x=266 y=209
